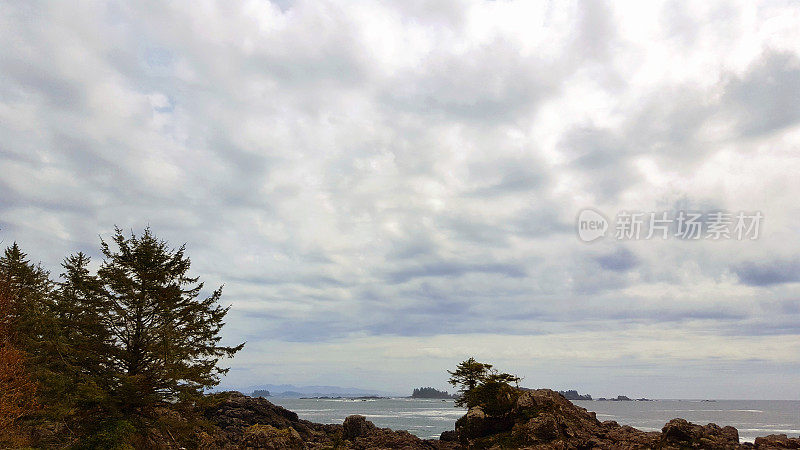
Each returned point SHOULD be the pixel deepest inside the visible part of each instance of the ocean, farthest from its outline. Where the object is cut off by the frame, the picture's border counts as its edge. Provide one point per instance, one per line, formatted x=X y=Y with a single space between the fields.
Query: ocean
x=752 y=418
x=428 y=418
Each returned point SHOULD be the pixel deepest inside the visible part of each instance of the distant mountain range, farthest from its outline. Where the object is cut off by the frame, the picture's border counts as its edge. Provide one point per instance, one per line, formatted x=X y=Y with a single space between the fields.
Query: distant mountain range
x=292 y=391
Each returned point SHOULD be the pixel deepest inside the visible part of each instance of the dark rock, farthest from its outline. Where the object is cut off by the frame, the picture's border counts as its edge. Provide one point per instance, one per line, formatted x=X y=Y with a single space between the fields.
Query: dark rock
x=476 y=423
x=776 y=441
x=543 y=419
x=685 y=434
x=357 y=426
x=473 y=424
x=543 y=428
x=574 y=395
x=269 y=437
x=537 y=419
x=449 y=436
x=246 y=422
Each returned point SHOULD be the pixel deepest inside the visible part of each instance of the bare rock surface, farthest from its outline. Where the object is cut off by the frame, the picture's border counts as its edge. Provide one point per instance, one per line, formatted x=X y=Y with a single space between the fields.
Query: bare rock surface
x=544 y=419
x=539 y=419
x=248 y=422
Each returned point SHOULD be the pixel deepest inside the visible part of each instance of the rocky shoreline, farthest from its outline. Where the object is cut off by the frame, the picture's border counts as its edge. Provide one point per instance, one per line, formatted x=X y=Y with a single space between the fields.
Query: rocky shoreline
x=540 y=419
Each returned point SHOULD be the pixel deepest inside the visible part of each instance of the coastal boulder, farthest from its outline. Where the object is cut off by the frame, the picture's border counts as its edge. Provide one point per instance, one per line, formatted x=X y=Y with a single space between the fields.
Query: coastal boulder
x=547 y=419
x=246 y=422
x=357 y=426
x=472 y=424
x=537 y=419
x=361 y=434
x=776 y=441
x=544 y=419
x=269 y=437
x=679 y=432
x=241 y=410
x=235 y=414
x=448 y=436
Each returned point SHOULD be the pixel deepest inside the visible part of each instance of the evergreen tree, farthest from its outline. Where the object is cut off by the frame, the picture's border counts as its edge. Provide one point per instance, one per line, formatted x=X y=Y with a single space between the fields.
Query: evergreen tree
x=28 y=288
x=166 y=339
x=467 y=376
x=17 y=396
x=31 y=317
x=482 y=385
x=84 y=344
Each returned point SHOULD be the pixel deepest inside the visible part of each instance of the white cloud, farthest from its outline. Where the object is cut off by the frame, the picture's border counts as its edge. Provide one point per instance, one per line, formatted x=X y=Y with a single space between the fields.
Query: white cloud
x=400 y=180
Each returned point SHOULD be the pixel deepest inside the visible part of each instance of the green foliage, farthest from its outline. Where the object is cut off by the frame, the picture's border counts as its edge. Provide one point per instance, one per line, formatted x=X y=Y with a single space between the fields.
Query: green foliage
x=30 y=322
x=493 y=396
x=166 y=339
x=112 y=434
x=17 y=388
x=211 y=400
x=83 y=343
x=467 y=376
x=482 y=385
x=113 y=352
x=28 y=287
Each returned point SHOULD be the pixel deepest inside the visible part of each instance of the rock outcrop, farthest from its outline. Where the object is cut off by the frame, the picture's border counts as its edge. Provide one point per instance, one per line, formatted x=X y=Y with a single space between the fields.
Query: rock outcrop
x=247 y=422
x=682 y=434
x=777 y=441
x=539 y=419
x=544 y=419
x=530 y=419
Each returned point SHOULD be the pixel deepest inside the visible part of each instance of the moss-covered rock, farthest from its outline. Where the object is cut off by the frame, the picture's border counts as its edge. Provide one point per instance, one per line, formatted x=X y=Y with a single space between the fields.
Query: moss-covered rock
x=269 y=437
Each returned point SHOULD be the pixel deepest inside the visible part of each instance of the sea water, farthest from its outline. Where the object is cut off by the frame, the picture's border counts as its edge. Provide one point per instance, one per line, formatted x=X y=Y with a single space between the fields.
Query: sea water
x=427 y=418
x=752 y=418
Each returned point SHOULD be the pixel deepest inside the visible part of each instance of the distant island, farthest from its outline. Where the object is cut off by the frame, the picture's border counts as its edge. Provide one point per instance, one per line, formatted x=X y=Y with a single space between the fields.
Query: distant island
x=294 y=391
x=429 y=392
x=620 y=398
x=260 y=393
x=574 y=395
x=623 y=398
x=363 y=397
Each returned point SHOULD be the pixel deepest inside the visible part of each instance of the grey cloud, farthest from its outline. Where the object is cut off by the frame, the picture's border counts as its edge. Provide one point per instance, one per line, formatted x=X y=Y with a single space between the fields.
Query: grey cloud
x=767 y=97
x=602 y=160
x=621 y=260
x=495 y=85
x=595 y=30
x=768 y=273
x=421 y=185
x=450 y=269
x=506 y=176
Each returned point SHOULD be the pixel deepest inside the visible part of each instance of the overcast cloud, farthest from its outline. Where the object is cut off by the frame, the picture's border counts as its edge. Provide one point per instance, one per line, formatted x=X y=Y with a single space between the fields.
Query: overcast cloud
x=387 y=188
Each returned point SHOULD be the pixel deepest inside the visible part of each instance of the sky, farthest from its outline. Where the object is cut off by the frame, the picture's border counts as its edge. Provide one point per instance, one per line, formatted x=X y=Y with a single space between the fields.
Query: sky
x=388 y=188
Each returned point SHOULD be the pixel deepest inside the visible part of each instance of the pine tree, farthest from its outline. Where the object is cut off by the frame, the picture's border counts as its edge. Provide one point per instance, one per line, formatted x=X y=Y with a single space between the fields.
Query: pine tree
x=31 y=318
x=482 y=385
x=166 y=339
x=28 y=288
x=468 y=375
x=17 y=396
x=84 y=344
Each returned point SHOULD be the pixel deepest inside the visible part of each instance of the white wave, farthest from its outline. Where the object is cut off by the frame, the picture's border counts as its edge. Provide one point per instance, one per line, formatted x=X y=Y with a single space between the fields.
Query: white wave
x=770 y=430
x=710 y=410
